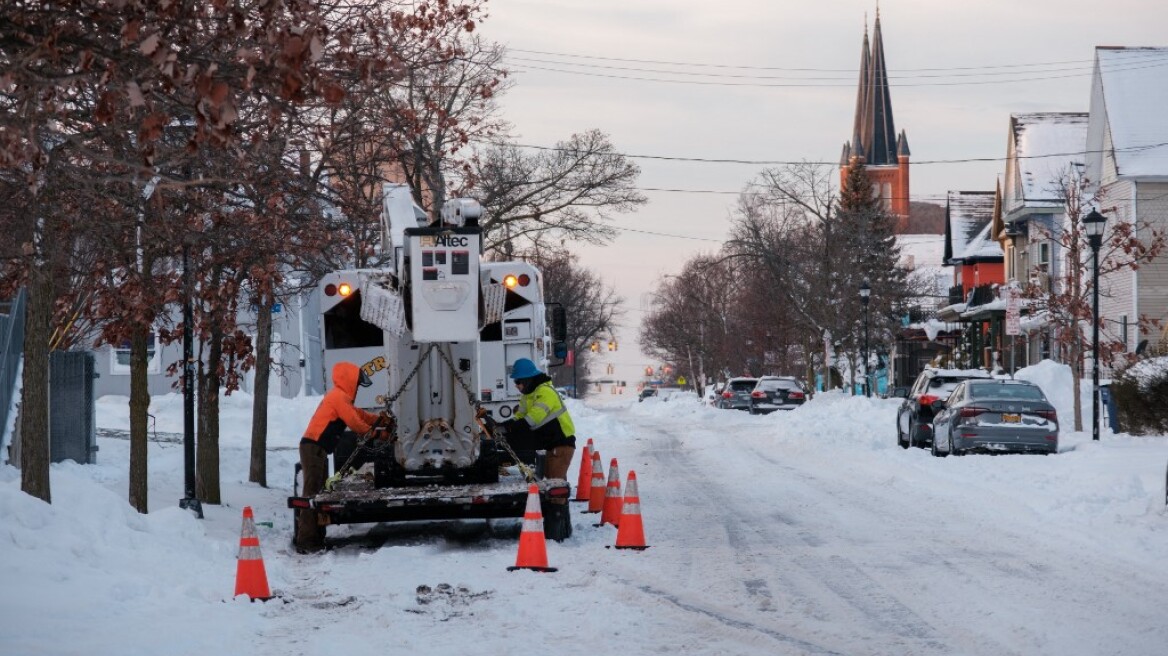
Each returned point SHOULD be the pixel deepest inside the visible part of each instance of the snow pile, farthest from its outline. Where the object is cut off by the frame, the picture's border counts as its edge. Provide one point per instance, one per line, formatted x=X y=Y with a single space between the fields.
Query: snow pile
x=1147 y=372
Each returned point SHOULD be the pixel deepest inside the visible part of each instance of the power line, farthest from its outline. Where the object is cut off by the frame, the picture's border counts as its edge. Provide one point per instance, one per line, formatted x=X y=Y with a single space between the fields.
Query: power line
x=791 y=69
x=839 y=76
x=764 y=162
x=639 y=78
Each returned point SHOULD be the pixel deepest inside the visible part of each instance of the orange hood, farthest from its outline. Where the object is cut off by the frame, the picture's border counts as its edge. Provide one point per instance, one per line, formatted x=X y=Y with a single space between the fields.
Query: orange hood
x=345 y=376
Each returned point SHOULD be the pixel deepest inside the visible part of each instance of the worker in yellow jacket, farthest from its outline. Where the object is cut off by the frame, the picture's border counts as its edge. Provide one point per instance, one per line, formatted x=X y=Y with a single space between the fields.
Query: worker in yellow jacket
x=542 y=420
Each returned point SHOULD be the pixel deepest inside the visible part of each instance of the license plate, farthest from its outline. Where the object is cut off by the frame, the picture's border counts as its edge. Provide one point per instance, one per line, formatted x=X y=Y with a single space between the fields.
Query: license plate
x=1011 y=418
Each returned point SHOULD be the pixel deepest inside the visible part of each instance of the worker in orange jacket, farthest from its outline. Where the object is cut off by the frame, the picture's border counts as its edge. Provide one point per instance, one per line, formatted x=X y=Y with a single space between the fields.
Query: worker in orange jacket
x=335 y=412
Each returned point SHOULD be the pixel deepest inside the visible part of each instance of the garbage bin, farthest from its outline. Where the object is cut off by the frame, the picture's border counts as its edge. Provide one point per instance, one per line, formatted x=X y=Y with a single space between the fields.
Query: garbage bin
x=1107 y=401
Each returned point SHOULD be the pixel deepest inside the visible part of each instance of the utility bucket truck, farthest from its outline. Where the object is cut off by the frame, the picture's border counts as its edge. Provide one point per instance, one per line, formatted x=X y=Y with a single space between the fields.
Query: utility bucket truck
x=437 y=332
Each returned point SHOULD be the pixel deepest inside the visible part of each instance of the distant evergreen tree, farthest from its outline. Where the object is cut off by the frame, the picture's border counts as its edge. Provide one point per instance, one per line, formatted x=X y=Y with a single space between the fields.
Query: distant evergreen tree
x=867 y=240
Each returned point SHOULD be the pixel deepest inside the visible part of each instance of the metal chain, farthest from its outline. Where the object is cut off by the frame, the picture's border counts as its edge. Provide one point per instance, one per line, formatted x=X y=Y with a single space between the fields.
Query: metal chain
x=363 y=442
x=527 y=472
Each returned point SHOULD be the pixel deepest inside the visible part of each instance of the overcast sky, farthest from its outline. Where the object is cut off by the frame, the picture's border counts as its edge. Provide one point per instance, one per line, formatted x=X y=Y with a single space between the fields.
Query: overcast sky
x=775 y=80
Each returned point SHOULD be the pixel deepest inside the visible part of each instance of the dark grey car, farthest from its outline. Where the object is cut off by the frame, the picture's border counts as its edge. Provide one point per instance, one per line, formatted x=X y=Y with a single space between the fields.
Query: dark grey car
x=995 y=416
x=776 y=393
x=736 y=393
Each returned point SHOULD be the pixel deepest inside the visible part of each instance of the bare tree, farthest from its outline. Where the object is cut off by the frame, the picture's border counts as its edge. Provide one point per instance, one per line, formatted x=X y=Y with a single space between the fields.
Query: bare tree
x=1067 y=302
x=565 y=193
x=695 y=319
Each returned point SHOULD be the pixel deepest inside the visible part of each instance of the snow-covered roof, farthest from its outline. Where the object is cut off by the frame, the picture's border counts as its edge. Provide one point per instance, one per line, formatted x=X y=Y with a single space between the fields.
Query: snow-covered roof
x=982 y=247
x=1129 y=94
x=968 y=216
x=918 y=251
x=1045 y=146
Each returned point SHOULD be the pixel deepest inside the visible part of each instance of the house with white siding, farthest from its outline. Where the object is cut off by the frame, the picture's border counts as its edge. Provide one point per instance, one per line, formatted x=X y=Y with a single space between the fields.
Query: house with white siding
x=1126 y=165
x=1044 y=155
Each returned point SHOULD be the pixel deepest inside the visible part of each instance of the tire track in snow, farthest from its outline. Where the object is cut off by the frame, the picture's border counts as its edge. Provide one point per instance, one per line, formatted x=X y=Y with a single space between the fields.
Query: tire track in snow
x=811 y=584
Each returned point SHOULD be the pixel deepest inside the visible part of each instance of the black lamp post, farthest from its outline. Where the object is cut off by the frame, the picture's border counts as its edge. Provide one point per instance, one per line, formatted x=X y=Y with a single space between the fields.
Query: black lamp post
x=1093 y=223
x=865 y=293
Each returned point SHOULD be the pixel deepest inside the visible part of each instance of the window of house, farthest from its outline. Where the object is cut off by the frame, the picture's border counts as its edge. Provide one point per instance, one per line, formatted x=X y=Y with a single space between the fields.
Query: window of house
x=1044 y=255
x=120 y=357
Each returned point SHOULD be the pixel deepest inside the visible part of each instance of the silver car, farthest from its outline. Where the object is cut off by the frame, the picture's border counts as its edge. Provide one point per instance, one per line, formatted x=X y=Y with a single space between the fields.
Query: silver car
x=995 y=416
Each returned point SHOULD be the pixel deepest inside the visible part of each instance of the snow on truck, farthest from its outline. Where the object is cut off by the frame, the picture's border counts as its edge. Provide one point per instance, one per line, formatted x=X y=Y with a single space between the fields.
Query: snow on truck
x=437 y=332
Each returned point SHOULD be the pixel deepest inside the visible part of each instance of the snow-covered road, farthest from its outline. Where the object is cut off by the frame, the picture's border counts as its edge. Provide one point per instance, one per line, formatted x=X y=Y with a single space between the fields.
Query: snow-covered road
x=808 y=532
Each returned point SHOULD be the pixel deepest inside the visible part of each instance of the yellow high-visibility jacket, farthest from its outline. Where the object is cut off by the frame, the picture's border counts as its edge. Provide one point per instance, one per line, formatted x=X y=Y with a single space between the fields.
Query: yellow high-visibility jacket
x=544 y=413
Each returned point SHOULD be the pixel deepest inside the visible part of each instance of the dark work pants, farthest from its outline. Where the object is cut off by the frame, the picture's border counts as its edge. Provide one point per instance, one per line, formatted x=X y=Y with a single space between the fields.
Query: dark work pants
x=314 y=472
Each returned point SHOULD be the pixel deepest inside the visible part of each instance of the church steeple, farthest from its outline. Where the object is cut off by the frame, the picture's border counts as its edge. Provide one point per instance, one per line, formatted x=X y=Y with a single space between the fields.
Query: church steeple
x=874 y=140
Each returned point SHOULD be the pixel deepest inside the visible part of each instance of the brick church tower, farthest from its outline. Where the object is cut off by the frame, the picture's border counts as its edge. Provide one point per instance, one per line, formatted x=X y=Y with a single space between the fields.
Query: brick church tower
x=875 y=142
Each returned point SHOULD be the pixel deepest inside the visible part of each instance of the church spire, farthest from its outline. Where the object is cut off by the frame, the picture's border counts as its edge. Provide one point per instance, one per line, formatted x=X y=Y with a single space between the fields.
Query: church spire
x=875 y=143
x=859 y=128
x=880 y=142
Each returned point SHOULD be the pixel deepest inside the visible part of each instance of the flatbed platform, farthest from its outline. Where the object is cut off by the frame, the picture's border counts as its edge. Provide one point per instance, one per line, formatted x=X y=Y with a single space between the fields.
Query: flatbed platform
x=356 y=500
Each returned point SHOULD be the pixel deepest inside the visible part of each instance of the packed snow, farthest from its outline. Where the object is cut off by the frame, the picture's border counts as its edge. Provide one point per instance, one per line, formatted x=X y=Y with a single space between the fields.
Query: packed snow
x=801 y=532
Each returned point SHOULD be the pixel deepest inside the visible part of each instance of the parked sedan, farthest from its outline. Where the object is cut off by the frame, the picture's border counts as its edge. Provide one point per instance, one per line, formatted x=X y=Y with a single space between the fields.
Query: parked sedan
x=776 y=393
x=736 y=393
x=995 y=416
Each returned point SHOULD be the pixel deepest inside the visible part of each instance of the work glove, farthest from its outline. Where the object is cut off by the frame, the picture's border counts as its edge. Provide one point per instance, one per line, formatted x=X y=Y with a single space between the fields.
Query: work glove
x=386 y=421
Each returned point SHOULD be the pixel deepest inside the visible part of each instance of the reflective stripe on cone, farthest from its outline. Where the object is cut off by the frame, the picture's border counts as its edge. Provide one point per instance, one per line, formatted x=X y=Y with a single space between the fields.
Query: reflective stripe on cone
x=631 y=533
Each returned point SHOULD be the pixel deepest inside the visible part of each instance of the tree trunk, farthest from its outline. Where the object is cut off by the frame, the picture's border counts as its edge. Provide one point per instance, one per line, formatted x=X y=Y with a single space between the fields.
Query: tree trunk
x=34 y=415
x=258 y=472
x=207 y=462
x=139 y=409
x=1077 y=378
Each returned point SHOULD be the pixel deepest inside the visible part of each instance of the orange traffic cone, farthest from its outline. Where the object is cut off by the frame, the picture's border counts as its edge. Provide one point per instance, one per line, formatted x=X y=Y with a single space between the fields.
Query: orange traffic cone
x=250 y=577
x=584 y=481
x=532 y=548
x=631 y=533
x=596 y=496
x=612 y=497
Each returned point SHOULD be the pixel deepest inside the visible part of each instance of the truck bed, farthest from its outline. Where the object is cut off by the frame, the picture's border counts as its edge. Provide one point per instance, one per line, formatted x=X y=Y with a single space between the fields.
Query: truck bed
x=355 y=500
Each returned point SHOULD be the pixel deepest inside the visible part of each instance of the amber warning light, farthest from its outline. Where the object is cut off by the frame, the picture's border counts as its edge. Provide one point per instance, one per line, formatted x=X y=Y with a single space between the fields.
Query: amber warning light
x=332 y=290
x=511 y=280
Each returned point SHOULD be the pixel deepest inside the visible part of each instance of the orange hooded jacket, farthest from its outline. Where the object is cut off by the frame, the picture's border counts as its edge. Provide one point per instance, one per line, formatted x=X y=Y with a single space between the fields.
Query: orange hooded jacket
x=336 y=410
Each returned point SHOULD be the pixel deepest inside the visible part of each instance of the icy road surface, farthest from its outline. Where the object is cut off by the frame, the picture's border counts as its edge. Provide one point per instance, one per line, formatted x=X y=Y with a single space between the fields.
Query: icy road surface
x=808 y=532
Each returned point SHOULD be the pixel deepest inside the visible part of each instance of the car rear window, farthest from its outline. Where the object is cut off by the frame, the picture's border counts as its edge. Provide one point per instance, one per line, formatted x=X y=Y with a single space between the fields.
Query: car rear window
x=742 y=385
x=772 y=385
x=1002 y=391
x=943 y=384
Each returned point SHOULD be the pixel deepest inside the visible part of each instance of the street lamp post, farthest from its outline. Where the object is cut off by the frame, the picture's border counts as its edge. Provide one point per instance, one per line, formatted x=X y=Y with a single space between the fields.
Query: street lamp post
x=1093 y=223
x=865 y=293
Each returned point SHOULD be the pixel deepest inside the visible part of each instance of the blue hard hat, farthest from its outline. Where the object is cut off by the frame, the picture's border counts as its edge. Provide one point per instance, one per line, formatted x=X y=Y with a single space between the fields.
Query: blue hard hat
x=524 y=368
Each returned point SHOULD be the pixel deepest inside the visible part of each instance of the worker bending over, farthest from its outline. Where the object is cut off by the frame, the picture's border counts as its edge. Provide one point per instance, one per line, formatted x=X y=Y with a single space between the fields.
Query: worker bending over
x=542 y=420
x=335 y=412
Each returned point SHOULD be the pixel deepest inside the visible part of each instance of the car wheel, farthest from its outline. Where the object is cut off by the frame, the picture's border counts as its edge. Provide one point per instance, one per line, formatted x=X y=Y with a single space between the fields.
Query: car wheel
x=953 y=449
x=937 y=453
x=753 y=411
